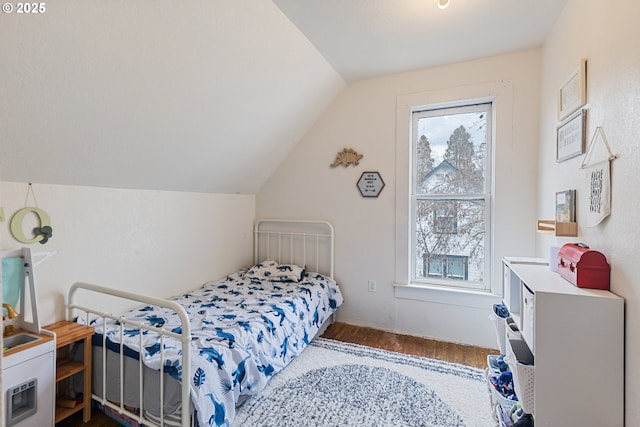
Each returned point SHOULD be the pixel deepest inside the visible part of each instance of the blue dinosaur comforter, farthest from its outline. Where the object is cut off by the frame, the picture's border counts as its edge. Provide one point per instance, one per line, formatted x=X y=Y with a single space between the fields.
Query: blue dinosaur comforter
x=243 y=331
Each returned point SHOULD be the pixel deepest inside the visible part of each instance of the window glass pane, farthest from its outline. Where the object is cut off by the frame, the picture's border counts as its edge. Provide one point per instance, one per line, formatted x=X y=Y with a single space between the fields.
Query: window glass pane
x=450 y=194
x=450 y=153
x=457 y=267
x=435 y=266
x=459 y=237
x=445 y=217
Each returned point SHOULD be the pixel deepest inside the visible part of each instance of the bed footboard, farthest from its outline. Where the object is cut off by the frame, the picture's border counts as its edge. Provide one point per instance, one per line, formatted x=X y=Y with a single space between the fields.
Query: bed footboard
x=76 y=309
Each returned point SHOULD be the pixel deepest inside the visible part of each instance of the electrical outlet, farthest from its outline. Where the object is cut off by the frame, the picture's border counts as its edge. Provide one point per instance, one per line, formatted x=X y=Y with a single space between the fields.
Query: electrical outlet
x=372 y=285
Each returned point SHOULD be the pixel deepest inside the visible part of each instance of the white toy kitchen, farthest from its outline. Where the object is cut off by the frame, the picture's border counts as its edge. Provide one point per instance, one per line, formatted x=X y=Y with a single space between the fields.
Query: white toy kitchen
x=28 y=352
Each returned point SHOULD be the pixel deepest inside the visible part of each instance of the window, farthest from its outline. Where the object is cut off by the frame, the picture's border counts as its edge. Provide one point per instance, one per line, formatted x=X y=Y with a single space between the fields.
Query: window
x=450 y=195
x=451 y=266
x=445 y=219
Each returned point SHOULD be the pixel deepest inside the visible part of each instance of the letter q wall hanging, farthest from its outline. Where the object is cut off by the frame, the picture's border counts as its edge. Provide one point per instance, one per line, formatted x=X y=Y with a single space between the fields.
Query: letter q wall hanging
x=42 y=233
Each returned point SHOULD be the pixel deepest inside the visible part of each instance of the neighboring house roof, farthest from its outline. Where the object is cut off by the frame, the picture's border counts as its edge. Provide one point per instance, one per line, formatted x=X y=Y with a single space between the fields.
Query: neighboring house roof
x=443 y=168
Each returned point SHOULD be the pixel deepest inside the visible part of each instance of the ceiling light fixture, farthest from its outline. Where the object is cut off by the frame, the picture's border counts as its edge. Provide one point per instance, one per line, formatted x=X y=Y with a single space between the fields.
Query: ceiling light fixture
x=443 y=4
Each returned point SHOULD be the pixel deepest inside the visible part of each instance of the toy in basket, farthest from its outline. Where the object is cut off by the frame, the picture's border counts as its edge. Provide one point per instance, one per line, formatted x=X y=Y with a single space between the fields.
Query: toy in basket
x=501 y=388
x=514 y=417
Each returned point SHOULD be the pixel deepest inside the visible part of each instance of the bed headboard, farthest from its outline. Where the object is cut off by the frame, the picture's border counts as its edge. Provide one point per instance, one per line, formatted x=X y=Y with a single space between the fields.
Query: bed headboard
x=308 y=243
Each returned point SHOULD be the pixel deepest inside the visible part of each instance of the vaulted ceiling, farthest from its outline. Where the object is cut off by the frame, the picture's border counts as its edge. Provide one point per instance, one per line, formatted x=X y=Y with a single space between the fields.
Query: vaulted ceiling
x=212 y=95
x=369 y=38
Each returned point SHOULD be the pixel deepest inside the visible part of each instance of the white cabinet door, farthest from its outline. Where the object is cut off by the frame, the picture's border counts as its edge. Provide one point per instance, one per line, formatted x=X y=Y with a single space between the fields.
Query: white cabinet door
x=36 y=376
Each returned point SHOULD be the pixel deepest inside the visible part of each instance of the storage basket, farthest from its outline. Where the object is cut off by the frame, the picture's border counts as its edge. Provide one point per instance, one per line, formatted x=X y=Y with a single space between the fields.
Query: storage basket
x=501 y=334
x=120 y=418
x=521 y=363
x=500 y=326
x=496 y=397
x=513 y=332
x=502 y=415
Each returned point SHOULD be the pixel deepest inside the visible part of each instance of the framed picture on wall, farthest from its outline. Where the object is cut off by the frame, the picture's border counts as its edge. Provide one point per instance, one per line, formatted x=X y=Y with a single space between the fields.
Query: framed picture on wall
x=573 y=91
x=570 y=136
x=370 y=184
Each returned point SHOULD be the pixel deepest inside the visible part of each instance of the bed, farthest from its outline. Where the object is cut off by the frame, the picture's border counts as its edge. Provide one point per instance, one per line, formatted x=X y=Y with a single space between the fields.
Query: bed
x=192 y=359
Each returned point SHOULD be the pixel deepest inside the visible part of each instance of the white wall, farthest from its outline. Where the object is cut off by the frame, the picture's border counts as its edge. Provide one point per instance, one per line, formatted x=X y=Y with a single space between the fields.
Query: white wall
x=608 y=35
x=363 y=117
x=154 y=242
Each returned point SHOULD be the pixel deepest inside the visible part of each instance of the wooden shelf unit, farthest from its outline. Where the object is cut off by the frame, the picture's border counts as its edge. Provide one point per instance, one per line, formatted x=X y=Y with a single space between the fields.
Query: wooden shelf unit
x=69 y=333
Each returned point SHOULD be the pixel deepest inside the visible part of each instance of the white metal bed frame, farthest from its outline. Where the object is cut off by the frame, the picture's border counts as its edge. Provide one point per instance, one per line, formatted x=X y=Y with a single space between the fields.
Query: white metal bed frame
x=270 y=235
x=266 y=229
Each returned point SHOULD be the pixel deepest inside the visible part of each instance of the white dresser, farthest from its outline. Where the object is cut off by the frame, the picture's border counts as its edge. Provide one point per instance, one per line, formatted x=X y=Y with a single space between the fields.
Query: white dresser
x=577 y=338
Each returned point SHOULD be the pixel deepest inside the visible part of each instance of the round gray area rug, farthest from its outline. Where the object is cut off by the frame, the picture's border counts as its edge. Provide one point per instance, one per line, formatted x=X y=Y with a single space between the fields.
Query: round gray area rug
x=350 y=395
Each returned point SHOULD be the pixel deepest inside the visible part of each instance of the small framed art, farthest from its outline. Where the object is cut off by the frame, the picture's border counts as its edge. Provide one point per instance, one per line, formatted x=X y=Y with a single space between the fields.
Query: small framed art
x=370 y=184
x=570 y=136
x=566 y=206
x=573 y=91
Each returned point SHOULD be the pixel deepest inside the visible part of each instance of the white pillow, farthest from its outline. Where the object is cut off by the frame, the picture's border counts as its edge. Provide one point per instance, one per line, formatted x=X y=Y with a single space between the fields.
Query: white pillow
x=288 y=273
x=275 y=272
x=263 y=270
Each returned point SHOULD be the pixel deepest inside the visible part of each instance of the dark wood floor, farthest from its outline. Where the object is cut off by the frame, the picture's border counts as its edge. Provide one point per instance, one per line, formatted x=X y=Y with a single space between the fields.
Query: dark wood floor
x=440 y=350
x=456 y=353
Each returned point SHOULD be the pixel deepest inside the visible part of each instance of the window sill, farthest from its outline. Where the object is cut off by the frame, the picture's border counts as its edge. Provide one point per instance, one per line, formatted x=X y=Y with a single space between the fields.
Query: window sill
x=446 y=295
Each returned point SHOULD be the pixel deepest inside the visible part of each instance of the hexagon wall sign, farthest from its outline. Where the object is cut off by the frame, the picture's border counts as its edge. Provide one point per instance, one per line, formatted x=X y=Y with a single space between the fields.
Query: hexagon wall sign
x=370 y=184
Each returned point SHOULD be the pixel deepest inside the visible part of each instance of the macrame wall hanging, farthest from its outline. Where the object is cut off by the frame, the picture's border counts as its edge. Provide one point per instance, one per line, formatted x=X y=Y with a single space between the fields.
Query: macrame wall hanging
x=598 y=180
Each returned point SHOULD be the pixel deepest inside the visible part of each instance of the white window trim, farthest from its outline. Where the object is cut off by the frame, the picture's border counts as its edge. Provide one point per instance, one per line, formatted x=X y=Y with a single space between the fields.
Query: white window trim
x=500 y=93
x=466 y=106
